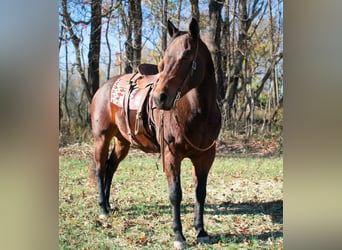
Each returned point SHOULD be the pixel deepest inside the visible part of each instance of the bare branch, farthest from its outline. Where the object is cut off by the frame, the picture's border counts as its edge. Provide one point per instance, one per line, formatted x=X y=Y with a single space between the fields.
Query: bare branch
x=275 y=60
x=76 y=42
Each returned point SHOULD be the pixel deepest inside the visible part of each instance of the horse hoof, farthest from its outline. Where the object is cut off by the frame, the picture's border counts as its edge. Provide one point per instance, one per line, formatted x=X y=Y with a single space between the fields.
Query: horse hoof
x=179 y=244
x=103 y=216
x=204 y=239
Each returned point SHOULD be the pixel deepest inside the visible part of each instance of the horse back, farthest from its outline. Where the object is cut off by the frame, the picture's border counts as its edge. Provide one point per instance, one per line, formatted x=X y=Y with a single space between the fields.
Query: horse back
x=100 y=109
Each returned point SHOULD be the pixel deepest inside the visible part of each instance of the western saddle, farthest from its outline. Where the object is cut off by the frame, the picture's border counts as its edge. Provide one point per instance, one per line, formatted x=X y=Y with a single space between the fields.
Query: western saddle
x=141 y=82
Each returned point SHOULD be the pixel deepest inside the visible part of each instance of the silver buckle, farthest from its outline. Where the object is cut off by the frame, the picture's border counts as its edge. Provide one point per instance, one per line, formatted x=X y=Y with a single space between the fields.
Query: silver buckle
x=177 y=98
x=194 y=65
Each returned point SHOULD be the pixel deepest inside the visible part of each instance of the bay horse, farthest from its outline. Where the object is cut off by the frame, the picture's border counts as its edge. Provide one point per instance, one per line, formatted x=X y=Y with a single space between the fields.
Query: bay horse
x=186 y=123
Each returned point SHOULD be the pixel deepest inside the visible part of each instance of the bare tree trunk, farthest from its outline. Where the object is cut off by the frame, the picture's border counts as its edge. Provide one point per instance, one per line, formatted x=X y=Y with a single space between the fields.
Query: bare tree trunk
x=225 y=45
x=232 y=47
x=230 y=88
x=120 y=53
x=108 y=45
x=195 y=10
x=274 y=62
x=180 y=2
x=127 y=27
x=111 y=8
x=215 y=8
x=60 y=37
x=83 y=121
x=76 y=42
x=245 y=21
x=164 y=22
x=136 y=20
x=267 y=111
x=94 y=47
x=274 y=113
x=60 y=112
x=250 y=97
x=239 y=56
x=67 y=112
x=271 y=39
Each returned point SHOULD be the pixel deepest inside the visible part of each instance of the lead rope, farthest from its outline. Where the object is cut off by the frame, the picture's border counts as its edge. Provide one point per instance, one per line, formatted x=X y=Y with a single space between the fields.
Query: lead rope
x=187 y=139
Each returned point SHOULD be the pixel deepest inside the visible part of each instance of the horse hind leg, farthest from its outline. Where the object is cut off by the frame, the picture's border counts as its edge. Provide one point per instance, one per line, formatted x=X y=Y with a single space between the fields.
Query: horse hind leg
x=100 y=159
x=118 y=153
x=111 y=167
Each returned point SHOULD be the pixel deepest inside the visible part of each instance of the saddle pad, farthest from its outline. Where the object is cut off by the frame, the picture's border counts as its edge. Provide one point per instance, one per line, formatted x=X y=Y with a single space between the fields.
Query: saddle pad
x=118 y=93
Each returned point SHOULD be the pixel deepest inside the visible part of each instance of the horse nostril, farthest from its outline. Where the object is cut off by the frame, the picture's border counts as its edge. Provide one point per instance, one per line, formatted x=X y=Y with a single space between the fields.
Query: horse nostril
x=162 y=97
x=161 y=100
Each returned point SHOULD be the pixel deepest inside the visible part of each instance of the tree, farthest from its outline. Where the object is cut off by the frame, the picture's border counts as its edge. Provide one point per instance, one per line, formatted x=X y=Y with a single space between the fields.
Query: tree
x=164 y=22
x=195 y=10
x=127 y=28
x=244 y=25
x=180 y=2
x=132 y=25
x=94 y=47
x=136 y=20
x=108 y=43
x=215 y=8
x=243 y=48
x=67 y=22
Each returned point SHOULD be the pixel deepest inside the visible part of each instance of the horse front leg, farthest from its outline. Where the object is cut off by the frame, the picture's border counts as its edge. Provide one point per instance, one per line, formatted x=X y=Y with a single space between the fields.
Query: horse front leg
x=201 y=167
x=201 y=191
x=172 y=170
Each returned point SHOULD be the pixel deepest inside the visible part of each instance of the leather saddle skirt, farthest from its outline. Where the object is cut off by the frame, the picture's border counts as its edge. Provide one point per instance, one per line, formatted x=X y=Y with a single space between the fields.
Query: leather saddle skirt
x=132 y=92
x=137 y=84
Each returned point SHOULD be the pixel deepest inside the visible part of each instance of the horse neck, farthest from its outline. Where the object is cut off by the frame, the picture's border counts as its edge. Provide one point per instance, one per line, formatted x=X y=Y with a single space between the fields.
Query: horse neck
x=199 y=101
x=206 y=85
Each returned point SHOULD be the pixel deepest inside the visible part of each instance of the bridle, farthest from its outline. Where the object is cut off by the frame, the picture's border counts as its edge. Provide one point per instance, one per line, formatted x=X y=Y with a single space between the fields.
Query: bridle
x=181 y=86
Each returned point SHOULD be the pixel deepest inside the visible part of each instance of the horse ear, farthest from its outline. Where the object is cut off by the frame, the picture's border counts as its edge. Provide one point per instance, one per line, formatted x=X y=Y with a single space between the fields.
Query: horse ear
x=171 y=28
x=193 y=28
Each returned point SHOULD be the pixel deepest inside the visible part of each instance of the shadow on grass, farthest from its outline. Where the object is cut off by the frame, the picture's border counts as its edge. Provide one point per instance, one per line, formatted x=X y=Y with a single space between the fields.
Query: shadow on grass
x=272 y=208
x=240 y=238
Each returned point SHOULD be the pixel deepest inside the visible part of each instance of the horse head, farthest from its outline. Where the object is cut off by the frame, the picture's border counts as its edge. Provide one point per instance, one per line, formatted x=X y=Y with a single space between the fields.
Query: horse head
x=178 y=66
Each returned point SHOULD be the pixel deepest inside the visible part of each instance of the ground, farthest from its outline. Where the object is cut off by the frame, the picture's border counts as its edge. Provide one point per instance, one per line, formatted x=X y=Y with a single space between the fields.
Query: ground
x=243 y=206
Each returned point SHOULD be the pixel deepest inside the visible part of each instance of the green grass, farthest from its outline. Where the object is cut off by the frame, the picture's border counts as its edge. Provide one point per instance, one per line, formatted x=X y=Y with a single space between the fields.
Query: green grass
x=243 y=211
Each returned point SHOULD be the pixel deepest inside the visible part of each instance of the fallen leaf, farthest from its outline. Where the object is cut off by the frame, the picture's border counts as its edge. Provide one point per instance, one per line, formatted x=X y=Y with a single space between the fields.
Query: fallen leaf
x=142 y=236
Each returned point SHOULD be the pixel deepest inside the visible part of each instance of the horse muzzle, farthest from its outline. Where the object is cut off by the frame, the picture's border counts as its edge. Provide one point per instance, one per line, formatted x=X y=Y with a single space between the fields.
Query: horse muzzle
x=163 y=101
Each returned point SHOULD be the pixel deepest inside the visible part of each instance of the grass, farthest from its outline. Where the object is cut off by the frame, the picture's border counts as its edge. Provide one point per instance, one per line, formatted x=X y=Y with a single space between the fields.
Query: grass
x=243 y=205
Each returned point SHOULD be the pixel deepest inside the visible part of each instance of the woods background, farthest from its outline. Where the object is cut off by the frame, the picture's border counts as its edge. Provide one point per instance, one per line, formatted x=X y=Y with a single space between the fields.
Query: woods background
x=100 y=39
